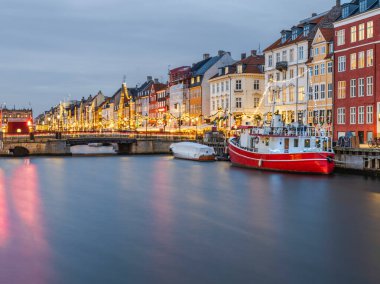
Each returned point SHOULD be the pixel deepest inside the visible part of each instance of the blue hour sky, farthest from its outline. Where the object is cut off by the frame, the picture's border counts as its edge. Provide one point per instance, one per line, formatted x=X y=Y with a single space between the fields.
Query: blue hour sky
x=53 y=50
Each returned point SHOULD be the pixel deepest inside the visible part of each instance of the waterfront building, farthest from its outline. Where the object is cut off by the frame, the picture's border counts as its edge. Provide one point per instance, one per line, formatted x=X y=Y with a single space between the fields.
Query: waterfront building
x=163 y=117
x=194 y=98
x=286 y=61
x=357 y=53
x=321 y=87
x=154 y=105
x=199 y=89
x=237 y=92
x=16 y=120
x=142 y=102
x=179 y=79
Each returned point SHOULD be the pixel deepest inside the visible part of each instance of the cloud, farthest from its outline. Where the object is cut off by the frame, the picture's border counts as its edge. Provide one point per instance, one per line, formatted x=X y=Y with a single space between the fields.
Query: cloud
x=54 y=48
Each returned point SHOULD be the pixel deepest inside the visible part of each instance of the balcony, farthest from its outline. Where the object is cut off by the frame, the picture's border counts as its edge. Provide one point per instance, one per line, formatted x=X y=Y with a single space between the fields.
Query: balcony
x=282 y=66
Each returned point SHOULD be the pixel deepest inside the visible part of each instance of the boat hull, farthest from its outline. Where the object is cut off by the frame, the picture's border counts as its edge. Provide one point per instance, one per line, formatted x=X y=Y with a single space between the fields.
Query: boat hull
x=313 y=162
x=206 y=158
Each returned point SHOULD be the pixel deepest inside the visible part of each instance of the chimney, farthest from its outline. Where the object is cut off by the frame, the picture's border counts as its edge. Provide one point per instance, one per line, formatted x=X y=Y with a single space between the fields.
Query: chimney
x=206 y=56
x=253 y=52
x=243 y=56
x=221 y=52
x=314 y=14
x=149 y=78
x=337 y=3
x=156 y=81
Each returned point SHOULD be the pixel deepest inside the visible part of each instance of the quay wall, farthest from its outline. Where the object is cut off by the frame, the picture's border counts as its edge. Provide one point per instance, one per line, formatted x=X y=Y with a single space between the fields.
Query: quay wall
x=359 y=160
x=145 y=147
x=55 y=147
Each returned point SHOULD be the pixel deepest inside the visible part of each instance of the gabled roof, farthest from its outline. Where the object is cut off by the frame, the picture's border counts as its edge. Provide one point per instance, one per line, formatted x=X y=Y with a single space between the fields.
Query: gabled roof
x=328 y=34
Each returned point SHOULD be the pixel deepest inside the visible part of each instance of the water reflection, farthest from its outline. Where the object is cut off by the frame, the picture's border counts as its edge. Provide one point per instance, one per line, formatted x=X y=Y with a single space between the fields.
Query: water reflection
x=24 y=241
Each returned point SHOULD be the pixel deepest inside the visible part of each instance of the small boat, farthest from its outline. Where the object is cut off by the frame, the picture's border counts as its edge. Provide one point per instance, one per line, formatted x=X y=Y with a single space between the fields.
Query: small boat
x=297 y=149
x=192 y=151
x=95 y=144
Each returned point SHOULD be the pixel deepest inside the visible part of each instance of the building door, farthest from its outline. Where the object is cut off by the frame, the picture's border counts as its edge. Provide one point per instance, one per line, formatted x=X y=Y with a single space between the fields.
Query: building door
x=361 y=137
x=286 y=145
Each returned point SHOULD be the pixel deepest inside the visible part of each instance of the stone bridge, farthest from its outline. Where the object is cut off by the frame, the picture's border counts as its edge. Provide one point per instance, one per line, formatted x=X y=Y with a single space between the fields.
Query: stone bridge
x=57 y=145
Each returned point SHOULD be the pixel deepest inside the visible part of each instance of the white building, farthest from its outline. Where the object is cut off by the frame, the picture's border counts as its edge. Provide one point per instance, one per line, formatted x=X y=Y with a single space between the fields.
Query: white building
x=237 y=92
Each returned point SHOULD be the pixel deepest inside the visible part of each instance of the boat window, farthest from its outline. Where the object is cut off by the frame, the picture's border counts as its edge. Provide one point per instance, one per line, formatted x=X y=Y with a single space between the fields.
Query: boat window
x=318 y=143
x=295 y=143
x=307 y=143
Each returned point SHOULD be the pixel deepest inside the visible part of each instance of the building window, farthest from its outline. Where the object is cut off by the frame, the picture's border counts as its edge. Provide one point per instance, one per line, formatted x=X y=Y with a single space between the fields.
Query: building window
x=316 y=70
x=301 y=72
x=323 y=69
x=361 y=60
x=341 y=89
x=323 y=50
x=345 y=12
x=270 y=60
x=369 y=57
x=256 y=102
x=316 y=51
x=256 y=85
x=331 y=48
x=301 y=94
x=306 y=30
x=217 y=87
x=291 y=73
x=291 y=94
x=341 y=63
x=361 y=87
x=323 y=91
x=240 y=68
x=362 y=6
x=341 y=37
x=369 y=114
x=353 y=61
x=341 y=115
x=284 y=55
x=294 y=34
x=278 y=57
x=370 y=86
x=370 y=29
x=330 y=67
x=291 y=55
x=238 y=85
x=213 y=88
x=213 y=105
x=352 y=115
x=330 y=91
x=300 y=53
x=361 y=31
x=238 y=102
x=353 y=88
x=361 y=115
x=227 y=86
x=278 y=78
x=353 y=34
x=222 y=86
x=316 y=92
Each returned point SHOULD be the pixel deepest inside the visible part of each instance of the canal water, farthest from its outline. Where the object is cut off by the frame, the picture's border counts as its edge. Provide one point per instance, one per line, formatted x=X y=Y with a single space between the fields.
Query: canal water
x=154 y=219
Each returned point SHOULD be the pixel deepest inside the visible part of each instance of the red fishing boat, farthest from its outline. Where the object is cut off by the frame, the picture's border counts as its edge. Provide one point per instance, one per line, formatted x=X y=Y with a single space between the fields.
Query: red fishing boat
x=298 y=149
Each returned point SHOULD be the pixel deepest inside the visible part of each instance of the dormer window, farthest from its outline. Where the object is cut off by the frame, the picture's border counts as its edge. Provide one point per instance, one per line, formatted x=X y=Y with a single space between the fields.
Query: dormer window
x=306 y=30
x=192 y=80
x=294 y=34
x=283 y=38
x=226 y=70
x=240 y=68
x=345 y=12
x=363 y=6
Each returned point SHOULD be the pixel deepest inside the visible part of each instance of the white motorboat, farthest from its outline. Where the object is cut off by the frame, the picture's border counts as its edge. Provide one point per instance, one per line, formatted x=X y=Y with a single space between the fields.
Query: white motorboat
x=192 y=151
x=95 y=144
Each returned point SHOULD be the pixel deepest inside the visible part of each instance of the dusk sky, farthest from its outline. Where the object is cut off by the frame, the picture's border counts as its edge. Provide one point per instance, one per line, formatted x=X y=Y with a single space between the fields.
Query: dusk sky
x=53 y=50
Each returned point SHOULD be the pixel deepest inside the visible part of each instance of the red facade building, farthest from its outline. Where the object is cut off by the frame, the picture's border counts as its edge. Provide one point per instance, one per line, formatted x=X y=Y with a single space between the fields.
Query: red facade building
x=357 y=70
x=154 y=103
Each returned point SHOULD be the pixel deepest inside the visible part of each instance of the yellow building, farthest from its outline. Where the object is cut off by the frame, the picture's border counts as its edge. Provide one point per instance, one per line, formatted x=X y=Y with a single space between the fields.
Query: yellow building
x=321 y=68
